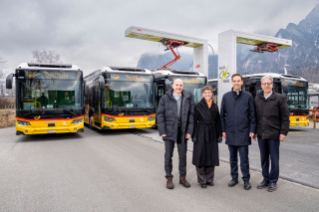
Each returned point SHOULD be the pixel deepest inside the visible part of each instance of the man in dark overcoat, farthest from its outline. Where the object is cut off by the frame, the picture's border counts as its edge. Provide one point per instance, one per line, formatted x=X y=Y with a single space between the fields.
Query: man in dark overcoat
x=175 y=125
x=238 y=122
x=272 y=128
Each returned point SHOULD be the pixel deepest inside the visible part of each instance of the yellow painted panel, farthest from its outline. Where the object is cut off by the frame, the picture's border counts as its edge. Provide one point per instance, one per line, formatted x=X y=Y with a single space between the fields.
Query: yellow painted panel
x=158 y=39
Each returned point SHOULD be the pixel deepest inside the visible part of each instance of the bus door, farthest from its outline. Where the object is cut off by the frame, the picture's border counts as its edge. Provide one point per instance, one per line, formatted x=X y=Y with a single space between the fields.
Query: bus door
x=252 y=88
x=97 y=106
x=160 y=92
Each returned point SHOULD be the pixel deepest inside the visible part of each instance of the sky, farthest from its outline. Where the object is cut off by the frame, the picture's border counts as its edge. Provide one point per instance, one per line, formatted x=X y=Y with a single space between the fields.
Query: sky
x=90 y=33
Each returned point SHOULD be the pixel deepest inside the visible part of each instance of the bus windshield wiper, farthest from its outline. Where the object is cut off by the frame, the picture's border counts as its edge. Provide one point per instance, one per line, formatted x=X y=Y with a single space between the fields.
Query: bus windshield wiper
x=25 y=115
x=68 y=111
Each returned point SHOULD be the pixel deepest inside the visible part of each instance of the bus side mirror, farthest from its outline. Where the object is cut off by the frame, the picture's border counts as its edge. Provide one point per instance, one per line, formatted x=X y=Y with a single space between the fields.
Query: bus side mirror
x=168 y=83
x=284 y=87
x=101 y=82
x=9 y=81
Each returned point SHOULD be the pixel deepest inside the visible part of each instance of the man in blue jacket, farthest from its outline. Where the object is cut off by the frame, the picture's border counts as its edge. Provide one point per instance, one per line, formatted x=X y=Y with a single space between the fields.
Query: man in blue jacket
x=238 y=122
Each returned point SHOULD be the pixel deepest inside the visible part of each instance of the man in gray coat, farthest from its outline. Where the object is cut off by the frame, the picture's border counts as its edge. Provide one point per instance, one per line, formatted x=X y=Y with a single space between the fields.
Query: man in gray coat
x=175 y=125
x=238 y=122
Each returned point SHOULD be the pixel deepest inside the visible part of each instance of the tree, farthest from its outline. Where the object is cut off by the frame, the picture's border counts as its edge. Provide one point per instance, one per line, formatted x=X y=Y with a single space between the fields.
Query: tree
x=45 y=56
x=3 y=64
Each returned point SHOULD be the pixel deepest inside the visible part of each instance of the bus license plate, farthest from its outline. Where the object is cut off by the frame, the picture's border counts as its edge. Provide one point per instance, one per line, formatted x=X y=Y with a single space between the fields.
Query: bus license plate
x=51 y=131
x=297 y=124
x=131 y=126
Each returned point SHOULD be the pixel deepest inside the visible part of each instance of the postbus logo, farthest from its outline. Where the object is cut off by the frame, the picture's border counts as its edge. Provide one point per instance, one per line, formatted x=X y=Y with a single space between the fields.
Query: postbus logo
x=224 y=75
x=135 y=78
x=121 y=114
x=31 y=74
x=115 y=76
x=37 y=117
x=56 y=75
x=191 y=80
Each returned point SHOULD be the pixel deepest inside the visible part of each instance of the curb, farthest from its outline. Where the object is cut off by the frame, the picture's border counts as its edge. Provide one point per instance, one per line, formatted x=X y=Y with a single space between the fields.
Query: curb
x=252 y=168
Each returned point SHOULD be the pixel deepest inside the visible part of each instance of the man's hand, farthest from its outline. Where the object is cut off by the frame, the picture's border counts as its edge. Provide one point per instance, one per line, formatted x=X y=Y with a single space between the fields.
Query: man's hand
x=188 y=136
x=254 y=138
x=282 y=137
x=252 y=135
x=224 y=135
x=164 y=135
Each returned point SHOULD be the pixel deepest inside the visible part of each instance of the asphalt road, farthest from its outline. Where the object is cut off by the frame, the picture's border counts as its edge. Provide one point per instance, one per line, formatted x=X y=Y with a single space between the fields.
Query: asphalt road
x=121 y=171
x=299 y=155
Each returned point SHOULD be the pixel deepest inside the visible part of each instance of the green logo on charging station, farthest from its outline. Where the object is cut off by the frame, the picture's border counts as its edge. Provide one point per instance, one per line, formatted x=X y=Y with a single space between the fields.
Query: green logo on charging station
x=224 y=75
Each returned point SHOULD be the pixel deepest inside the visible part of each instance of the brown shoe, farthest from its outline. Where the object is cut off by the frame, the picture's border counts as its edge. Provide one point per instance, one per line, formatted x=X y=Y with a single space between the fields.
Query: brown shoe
x=169 y=183
x=183 y=181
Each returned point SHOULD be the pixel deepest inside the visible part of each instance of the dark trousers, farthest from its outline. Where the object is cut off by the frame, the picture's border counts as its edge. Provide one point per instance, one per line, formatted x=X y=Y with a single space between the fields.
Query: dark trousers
x=269 y=147
x=244 y=161
x=205 y=174
x=182 y=151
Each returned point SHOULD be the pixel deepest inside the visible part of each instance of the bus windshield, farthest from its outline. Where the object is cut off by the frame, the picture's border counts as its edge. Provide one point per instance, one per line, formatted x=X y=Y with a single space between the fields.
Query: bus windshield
x=49 y=94
x=193 y=85
x=297 y=96
x=195 y=90
x=121 y=94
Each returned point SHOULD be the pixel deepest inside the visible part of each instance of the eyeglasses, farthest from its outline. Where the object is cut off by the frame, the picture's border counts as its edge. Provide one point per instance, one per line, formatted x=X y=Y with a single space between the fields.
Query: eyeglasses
x=267 y=84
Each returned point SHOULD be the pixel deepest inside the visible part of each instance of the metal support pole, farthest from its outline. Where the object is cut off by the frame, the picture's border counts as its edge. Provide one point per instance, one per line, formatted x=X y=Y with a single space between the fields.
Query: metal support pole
x=315 y=119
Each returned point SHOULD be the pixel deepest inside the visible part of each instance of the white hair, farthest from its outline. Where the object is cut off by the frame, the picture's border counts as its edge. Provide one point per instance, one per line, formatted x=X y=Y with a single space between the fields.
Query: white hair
x=267 y=77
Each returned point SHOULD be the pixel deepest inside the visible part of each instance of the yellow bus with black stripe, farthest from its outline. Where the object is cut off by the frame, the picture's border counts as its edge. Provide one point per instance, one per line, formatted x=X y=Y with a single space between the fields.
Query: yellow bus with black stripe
x=119 y=98
x=49 y=98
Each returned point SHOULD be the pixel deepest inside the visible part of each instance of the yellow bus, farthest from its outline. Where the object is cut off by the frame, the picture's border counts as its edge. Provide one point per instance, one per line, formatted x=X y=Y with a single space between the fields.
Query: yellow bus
x=49 y=98
x=294 y=88
x=119 y=98
x=193 y=83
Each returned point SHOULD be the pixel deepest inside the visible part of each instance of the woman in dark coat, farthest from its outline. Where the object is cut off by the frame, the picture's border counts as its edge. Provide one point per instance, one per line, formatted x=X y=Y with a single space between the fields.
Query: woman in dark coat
x=207 y=134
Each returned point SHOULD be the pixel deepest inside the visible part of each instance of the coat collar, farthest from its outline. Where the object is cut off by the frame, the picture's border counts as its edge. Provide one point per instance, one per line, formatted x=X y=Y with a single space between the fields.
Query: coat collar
x=272 y=97
x=185 y=94
x=203 y=103
x=235 y=93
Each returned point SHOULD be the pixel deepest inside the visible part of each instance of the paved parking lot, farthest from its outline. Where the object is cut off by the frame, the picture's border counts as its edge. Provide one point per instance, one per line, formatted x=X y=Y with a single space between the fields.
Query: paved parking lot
x=120 y=171
x=299 y=155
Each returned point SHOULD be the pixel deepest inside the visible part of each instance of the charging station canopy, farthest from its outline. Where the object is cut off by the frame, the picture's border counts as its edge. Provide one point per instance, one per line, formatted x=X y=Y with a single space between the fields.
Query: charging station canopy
x=200 y=56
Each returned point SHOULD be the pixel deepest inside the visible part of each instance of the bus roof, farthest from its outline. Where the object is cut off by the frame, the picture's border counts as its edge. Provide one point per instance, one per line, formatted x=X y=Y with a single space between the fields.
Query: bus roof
x=273 y=75
x=34 y=66
x=125 y=69
x=179 y=73
x=97 y=73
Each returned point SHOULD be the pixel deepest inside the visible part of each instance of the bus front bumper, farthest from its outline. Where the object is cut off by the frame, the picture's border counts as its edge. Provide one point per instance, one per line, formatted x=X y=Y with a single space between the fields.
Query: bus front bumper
x=20 y=130
x=298 y=123
x=117 y=125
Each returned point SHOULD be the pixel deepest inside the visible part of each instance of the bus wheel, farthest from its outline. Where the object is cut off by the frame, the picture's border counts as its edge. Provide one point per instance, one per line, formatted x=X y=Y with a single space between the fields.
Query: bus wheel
x=91 y=122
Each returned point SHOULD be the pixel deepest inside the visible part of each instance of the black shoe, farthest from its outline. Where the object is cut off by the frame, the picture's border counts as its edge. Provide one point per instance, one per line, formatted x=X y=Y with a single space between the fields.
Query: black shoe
x=247 y=185
x=203 y=185
x=233 y=182
x=263 y=184
x=272 y=187
x=210 y=183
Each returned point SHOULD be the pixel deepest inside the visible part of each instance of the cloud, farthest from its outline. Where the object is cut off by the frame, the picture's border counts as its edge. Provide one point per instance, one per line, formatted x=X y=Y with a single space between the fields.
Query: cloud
x=91 y=33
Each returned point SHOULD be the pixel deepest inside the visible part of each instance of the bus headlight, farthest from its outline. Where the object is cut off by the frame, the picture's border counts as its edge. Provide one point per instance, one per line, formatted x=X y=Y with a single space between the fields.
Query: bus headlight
x=77 y=121
x=23 y=123
x=109 y=119
x=152 y=118
x=307 y=117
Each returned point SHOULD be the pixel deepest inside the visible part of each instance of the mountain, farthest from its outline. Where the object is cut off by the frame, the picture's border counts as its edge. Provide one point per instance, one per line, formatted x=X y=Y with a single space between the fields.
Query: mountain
x=303 y=53
x=153 y=61
x=302 y=57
